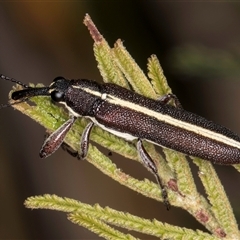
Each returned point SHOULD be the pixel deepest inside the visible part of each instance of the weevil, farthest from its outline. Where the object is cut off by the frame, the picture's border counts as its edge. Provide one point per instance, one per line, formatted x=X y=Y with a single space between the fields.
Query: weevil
x=134 y=117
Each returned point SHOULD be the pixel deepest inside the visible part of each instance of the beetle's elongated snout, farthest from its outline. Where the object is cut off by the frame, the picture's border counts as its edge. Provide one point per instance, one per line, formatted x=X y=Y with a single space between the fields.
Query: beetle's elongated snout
x=30 y=92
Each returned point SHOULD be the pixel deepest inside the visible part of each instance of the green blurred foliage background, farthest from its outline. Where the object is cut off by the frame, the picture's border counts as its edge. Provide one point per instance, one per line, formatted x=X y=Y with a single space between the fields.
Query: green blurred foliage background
x=198 y=47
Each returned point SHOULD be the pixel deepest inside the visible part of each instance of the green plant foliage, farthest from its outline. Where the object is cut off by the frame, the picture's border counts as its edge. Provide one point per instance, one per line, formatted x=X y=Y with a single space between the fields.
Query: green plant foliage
x=215 y=213
x=96 y=219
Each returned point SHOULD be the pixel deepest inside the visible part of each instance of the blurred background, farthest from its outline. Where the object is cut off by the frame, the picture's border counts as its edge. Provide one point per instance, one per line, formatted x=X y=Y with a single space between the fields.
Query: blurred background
x=198 y=45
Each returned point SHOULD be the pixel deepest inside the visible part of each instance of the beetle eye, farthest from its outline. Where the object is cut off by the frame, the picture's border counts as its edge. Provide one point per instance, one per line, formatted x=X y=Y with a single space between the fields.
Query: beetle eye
x=57 y=96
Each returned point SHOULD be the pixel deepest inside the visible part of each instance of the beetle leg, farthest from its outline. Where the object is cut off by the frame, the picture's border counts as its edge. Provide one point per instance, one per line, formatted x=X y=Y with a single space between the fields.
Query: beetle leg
x=168 y=97
x=151 y=166
x=70 y=150
x=84 y=143
x=54 y=141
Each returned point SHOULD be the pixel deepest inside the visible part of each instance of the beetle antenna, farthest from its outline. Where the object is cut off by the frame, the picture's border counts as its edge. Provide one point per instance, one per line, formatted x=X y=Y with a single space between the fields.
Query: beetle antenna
x=14 y=81
x=17 y=82
x=14 y=103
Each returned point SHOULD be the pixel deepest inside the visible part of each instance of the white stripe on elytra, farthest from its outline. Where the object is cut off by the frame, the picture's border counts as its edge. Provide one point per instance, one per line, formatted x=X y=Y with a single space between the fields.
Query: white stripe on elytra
x=164 y=118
